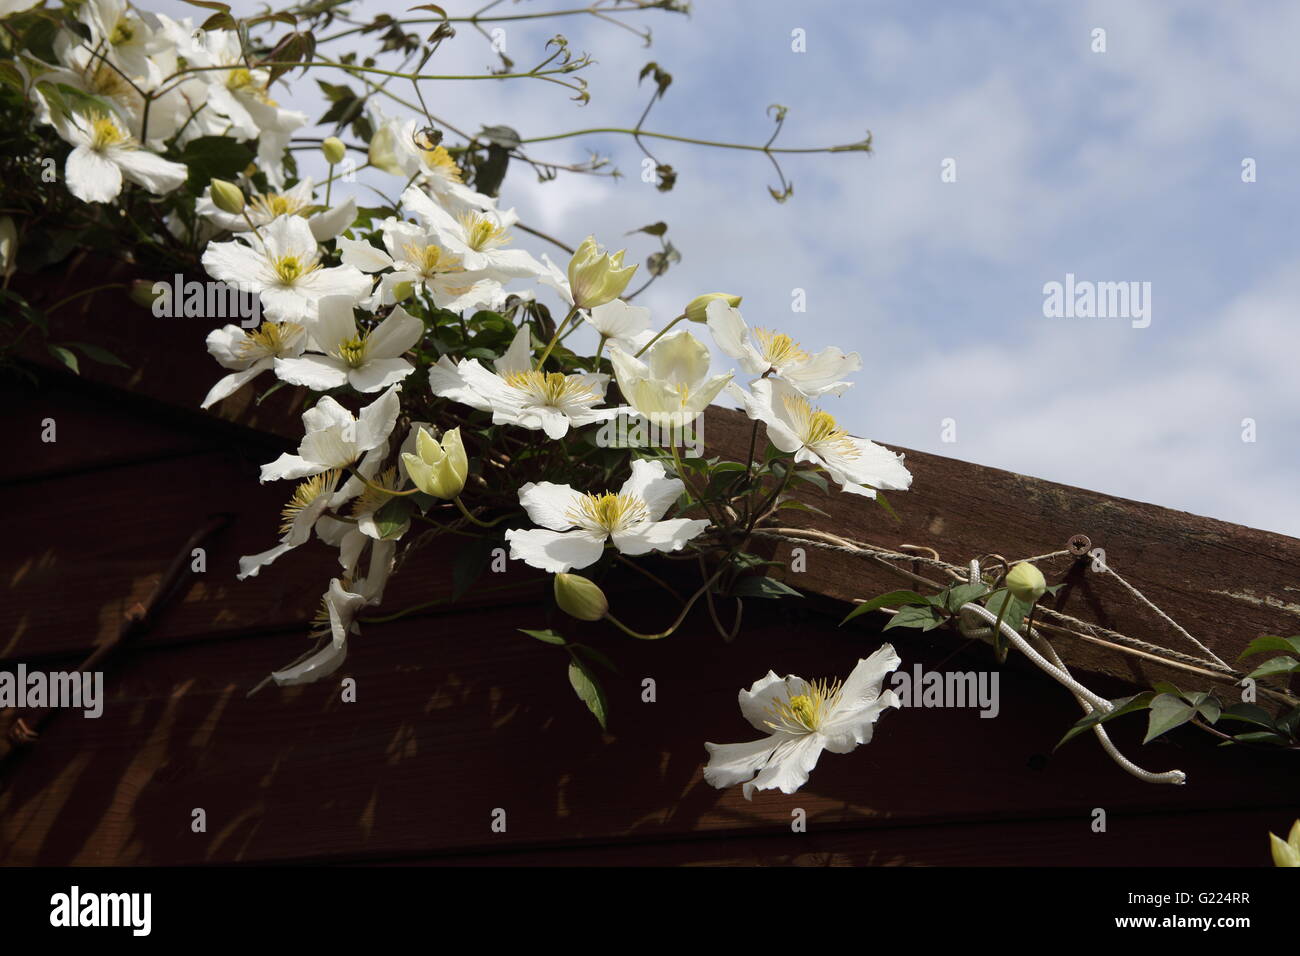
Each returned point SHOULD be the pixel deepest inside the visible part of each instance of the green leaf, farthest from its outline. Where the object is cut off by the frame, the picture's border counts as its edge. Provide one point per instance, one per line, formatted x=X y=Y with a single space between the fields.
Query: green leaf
x=762 y=587
x=1262 y=737
x=1271 y=642
x=595 y=656
x=1016 y=608
x=926 y=618
x=892 y=599
x=1167 y=712
x=588 y=690
x=959 y=594
x=503 y=136
x=1121 y=706
x=1278 y=665
x=393 y=515
x=1249 y=714
x=471 y=561
x=813 y=478
x=97 y=354
x=66 y=357
x=797 y=505
x=213 y=157
x=548 y=636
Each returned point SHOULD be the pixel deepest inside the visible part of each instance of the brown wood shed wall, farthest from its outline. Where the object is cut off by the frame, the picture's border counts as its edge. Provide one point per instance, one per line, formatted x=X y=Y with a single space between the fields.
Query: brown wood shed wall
x=459 y=714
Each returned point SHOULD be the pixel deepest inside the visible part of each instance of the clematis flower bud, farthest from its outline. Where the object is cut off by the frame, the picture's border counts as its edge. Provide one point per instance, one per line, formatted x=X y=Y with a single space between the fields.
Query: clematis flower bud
x=595 y=277
x=142 y=292
x=227 y=197
x=440 y=469
x=334 y=150
x=8 y=245
x=695 y=310
x=580 y=597
x=1286 y=852
x=1026 y=582
x=403 y=291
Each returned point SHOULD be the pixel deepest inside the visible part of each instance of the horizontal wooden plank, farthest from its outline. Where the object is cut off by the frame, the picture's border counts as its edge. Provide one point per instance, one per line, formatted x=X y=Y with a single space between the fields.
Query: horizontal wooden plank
x=459 y=714
x=54 y=430
x=1224 y=583
x=1226 y=838
x=107 y=536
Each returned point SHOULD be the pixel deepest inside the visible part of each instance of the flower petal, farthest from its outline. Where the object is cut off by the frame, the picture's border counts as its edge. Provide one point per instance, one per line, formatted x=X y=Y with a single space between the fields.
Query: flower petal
x=789 y=766
x=549 y=504
x=730 y=764
x=670 y=535
x=379 y=373
x=318 y=372
x=555 y=551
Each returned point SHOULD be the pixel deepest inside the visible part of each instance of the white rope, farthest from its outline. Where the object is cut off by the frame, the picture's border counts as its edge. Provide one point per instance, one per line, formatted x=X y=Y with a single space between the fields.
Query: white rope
x=1056 y=669
x=1105 y=566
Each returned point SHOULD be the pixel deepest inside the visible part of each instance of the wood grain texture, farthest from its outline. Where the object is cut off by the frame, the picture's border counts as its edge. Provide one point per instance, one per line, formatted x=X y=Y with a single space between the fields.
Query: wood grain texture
x=458 y=713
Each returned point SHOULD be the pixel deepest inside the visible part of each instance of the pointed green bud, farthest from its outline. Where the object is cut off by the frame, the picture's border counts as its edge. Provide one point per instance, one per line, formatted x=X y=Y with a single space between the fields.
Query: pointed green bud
x=595 y=276
x=1026 y=582
x=227 y=197
x=142 y=292
x=334 y=150
x=580 y=597
x=696 y=310
x=440 y=469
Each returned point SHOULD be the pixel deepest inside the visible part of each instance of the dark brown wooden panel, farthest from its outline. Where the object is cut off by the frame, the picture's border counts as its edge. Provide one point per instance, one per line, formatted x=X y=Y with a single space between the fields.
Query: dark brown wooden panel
x=459 y=714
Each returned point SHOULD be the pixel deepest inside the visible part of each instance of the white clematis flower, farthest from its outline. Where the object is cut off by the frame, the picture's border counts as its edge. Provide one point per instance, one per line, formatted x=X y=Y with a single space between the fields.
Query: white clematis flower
x=478 y=237
x=623 y=326
x=576 y=526
x=284 y=270
x=341 y=605
x=367 y=361
x=416 y=257
x=263 y=208
x=435 y=170
x=336 y=439
x=309 y=502
x=763 y=352
x=793 y=425
x=238 y=102
x=517 y=394
x=104 y=153
x=802 y=718
x=672 y=386
x=251 y=353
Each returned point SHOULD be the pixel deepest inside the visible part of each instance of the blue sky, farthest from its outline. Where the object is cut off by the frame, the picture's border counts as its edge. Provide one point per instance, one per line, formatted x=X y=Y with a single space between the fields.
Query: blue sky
x=1115 y=166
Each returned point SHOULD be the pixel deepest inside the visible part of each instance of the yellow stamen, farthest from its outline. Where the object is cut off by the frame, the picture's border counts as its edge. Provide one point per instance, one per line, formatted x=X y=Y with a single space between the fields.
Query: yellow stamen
x=608 y=512
x=271 y=205
x=806 y=712
x=307 y=492
x=818 y=429
x=438 y=160
x=432 y=259
x=353 y=351
x=290 y=269
x=779 y=349
x=239 y=78
x=550 y=388
x=270 y=339
x=104 y=132
x=481 y=232
x=372 y=499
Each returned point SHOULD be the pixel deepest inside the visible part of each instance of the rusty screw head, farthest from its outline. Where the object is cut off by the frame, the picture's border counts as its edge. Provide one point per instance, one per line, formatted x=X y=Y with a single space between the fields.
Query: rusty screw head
x=1079 y=545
